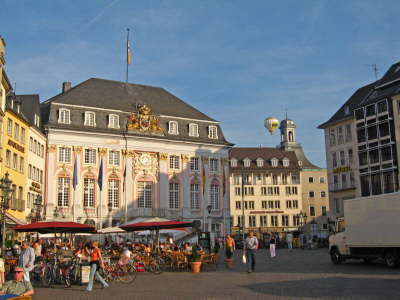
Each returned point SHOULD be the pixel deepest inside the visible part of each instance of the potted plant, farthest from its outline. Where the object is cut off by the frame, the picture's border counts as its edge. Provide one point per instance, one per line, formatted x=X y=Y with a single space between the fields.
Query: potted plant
x=195 y=260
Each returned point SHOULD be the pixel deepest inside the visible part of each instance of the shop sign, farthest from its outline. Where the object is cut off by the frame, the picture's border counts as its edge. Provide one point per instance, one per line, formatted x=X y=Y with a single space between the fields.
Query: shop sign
x=342 y=169
x=16 y=146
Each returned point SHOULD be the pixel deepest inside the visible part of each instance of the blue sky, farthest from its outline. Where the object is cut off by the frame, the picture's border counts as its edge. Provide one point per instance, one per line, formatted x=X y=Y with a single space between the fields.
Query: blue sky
x=237 y=61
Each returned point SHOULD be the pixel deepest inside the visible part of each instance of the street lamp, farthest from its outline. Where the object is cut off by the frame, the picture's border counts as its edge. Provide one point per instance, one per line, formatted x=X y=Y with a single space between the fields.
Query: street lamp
x=56 y=212
x=35 y=214
x=209 y=209
x=5 y=186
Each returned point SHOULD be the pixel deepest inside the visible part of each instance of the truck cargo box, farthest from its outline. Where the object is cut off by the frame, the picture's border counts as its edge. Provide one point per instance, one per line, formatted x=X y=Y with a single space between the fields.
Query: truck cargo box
x=373 y=221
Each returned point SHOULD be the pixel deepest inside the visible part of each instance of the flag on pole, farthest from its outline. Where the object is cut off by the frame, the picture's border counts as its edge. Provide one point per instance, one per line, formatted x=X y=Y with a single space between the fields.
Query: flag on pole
x=75 y=176
x=100 y=178
x=203 y=177
x=128 y=50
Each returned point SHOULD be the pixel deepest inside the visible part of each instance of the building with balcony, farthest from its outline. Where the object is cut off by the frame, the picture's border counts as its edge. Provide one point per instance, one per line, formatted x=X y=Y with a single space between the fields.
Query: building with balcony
x=117 y=151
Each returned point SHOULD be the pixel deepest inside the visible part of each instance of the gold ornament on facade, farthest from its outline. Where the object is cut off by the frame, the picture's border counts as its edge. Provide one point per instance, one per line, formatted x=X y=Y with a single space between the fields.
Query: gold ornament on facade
x=185 y=157
x=204 y=159
x=124 y=152
x=102 y=151
x=77 y=149
x=131 y=153
x=51 y=148
x=163 y=156
x=144 y=121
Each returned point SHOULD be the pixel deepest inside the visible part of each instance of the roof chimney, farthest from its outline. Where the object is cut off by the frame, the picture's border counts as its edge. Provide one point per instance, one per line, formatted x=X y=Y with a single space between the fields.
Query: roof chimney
x=66 y=86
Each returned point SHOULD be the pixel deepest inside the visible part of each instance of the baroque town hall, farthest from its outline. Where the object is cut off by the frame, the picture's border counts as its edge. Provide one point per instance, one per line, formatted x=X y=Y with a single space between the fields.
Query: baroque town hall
x=118 y=151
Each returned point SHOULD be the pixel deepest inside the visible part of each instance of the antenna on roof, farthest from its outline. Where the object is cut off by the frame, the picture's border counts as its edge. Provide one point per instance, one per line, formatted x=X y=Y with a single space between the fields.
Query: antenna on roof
x=375 y=69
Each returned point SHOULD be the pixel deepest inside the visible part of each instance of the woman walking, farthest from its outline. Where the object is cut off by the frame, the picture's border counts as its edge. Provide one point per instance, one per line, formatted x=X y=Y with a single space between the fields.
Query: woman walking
x=272 y=243
x=96 y=262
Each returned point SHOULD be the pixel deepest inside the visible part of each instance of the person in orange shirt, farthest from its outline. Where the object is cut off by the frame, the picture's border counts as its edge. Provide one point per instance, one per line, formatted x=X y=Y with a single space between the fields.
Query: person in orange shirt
x=229 y=246
x=96 y=262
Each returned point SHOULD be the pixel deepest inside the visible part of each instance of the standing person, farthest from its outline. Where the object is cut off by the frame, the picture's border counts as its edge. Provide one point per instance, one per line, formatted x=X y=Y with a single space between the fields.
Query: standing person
x=272 y=243
x=229 y=246
x=37 y=247
x=96 y=262
x=26 y=259
x=289 y=240
x=251 y=245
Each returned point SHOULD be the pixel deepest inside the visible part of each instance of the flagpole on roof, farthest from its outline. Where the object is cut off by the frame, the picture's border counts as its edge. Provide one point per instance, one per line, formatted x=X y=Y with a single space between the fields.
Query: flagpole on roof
x=128 y=55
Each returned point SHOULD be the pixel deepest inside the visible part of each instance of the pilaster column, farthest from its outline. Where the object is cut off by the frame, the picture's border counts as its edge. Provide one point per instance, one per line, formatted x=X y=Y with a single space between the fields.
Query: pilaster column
x=185 y=186
x=50 y=199
x=163 y=190
x=129 y=192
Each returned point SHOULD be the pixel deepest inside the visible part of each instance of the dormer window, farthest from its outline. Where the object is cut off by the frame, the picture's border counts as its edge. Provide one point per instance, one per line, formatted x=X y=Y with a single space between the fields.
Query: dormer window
x=233 y=162
x=37 y=120
x=260 y=162
x=113 y=121
x=246 y=162
x=64 y=116
x=173 y=127
x=212 y=132
x=193 y=130
x=90 y=118
x=285 y=162
x=274 y=162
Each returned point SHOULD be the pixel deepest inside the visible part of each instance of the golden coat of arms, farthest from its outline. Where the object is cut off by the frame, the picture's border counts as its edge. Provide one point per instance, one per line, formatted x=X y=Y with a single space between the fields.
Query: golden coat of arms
x=144 y=121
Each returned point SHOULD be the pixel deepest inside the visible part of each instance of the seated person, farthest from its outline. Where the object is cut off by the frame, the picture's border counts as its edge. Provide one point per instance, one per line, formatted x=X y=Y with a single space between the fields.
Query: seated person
x=125 y=257
x=18 y=286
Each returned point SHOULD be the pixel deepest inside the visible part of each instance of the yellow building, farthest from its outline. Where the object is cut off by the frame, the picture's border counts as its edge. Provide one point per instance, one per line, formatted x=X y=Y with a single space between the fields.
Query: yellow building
x=14 y=153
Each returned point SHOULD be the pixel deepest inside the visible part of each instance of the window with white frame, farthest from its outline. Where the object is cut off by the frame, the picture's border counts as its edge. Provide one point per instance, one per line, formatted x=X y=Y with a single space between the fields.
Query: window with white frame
x=113 y=158
x=9 y=127
x=15 y=161
x=195 y=196
x=64 y=155
x=194 y=164
x=63 y=191
x=88 y=192
x=37 y=120
x=21 y=164
x=233 y=162
x=173 y=127
x=31 y=144
x=90 y=118
x=246 y=162
x=212 y=132
x=113 y=121
x=193 y=130
x=113 y=193
x=90 y=156
x=285 y=162
x=145 y=194
x=16 y=131
x=22 y=136
x=274 y=162
x=260 y=162
x=64 y=116
x=214 y=196
x=213 y=164
x=174 y=162
x=173 y=195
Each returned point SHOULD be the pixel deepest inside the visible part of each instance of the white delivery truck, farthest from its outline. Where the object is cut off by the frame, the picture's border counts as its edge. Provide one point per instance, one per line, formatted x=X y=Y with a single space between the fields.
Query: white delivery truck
x=371 y=230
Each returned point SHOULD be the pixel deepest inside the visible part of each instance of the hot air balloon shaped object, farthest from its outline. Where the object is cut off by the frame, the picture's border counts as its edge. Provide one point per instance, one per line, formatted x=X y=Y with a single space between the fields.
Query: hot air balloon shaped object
x=271 y=124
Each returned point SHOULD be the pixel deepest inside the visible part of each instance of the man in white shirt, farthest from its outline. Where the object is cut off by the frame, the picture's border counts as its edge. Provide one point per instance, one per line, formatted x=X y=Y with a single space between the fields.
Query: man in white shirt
x=251 y=245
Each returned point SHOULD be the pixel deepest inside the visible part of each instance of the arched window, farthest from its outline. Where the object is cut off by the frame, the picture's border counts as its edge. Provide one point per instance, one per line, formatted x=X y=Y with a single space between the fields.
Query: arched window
x=212 y=132
x=195 y=195
x=233 y=162
x=90 y=118
x=63 y=191
x=64 y=116
x=214 y=195
x=173 y=127
x=285 y=162
x=113 y=121
x=113 y=192
x=260 y=162
x=88 y=191
x=274 y=162
x=145 y=194
x=290 y=136
x=246 y=162
x=193 y=130
x=174 y=195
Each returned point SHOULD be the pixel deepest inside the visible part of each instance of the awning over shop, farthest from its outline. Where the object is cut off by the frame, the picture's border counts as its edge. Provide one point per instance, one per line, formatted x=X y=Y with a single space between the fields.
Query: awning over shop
x=13 y=221
x=56 y=227
x=156 y=225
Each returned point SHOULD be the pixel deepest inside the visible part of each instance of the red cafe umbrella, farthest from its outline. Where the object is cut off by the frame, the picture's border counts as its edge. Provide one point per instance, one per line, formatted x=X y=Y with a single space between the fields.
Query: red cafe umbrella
x=156 y=225
x=56 y=227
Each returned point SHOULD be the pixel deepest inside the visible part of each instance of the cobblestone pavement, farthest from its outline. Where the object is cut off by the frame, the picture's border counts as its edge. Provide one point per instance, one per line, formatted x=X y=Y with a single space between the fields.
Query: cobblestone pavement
x=300 y=274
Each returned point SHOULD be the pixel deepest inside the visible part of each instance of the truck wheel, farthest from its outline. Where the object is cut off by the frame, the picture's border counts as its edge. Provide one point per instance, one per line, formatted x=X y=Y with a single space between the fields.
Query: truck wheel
x=391 y=259
x=336 y=258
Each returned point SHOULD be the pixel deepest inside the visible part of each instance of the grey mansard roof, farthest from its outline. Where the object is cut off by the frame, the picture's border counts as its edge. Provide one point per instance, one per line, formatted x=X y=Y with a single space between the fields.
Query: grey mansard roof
x=106 y=96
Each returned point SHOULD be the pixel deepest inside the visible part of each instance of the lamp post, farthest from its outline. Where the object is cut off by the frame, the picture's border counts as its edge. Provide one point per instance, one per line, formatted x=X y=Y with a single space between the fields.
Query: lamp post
x=38 y=208
x=56 y=213
x=209 y=209
x=5 y=186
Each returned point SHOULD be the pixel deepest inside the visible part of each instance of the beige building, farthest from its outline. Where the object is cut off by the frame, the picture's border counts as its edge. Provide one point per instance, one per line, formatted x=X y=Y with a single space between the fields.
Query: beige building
x=270 y=195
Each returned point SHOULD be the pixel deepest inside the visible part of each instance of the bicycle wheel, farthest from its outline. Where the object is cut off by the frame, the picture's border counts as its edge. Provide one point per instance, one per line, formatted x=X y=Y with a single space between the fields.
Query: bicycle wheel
x=154 y=267
x=126 y=277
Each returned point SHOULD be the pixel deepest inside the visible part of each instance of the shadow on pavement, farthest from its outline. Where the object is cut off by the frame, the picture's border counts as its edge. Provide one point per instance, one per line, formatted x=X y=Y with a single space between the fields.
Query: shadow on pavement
x=331 y=288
